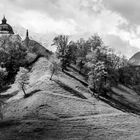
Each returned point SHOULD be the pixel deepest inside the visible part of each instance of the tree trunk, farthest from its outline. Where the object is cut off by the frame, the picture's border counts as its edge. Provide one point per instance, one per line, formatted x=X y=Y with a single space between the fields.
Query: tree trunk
x=52 y=75
x=23 y=91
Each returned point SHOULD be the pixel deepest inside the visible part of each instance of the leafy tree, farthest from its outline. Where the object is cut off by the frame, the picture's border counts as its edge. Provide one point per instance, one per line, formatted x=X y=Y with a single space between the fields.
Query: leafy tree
x=85 y=47
x=104 y=65
x=80 y=53
x=97 y=77
x=23 y=79
x=72 y=49
x=82 y=48
x=115 y=61
x=12 y=56
x=129 y=76
x=63 y=50
x=94 y=42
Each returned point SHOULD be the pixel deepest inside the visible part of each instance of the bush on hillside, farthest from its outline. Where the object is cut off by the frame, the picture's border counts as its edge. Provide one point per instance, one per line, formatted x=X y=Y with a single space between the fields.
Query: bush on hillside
x=129 y=76
x=12 y=56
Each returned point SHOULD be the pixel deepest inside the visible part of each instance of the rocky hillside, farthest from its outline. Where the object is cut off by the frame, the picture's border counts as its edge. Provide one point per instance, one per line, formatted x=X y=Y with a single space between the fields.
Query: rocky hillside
x=62 y=109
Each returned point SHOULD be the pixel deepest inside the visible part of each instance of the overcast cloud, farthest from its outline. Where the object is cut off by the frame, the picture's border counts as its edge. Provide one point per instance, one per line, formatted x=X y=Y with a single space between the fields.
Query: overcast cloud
x=117 y=21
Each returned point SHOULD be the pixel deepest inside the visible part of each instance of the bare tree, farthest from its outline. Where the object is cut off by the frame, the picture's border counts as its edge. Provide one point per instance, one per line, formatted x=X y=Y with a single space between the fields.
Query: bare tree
x=1 y=108
x=23 y=79
x=54 y=66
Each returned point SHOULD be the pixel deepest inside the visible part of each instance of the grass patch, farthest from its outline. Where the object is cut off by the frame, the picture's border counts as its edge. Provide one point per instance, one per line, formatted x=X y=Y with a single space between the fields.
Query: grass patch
x=69 y=89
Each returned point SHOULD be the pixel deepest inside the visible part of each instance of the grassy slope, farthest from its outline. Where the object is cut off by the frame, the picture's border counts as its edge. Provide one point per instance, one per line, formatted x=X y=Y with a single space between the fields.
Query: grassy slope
x=62 y=109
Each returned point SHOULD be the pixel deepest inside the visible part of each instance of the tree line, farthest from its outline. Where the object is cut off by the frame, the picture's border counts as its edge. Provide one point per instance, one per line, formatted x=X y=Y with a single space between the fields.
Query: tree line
x=101 y=66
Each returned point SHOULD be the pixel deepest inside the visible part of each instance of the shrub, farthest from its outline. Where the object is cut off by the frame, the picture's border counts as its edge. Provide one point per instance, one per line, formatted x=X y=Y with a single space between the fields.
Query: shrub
x=12 y=56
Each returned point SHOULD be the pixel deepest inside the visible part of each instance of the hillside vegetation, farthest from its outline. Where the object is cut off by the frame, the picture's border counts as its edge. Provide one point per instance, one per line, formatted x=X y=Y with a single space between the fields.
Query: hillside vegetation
x=15 y=54
x=84 y=99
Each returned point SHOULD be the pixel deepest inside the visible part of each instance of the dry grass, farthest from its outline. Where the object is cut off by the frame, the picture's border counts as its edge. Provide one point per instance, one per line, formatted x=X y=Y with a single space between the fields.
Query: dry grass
x=62 y=110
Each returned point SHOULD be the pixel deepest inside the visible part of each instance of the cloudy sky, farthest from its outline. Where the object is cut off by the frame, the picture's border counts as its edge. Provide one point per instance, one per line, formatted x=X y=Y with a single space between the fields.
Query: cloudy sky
x=117 y=21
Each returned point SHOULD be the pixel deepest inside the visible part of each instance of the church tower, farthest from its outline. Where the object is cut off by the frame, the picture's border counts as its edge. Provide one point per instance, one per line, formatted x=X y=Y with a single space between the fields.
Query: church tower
x=27 y=39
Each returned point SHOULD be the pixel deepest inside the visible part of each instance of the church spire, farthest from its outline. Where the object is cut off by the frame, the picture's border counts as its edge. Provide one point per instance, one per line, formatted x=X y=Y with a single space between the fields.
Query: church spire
x=27 y=33
x=4 y=20
x=27 y=38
